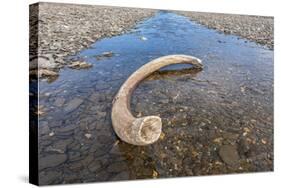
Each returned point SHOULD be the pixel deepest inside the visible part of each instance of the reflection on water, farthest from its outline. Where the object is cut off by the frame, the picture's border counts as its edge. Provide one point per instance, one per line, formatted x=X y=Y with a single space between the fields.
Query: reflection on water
x=218 y=120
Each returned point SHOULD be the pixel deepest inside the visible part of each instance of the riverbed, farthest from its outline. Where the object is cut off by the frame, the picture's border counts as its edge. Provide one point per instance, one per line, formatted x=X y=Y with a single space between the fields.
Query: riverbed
x=215 y=121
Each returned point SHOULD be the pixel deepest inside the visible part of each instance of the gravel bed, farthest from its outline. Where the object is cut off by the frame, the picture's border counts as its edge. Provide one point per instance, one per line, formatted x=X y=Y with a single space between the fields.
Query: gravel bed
x=255 y=28
x=64 y=29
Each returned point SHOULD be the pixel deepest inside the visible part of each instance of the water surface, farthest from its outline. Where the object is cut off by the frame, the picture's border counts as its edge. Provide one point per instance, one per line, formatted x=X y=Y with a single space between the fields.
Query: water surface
x=215 y=121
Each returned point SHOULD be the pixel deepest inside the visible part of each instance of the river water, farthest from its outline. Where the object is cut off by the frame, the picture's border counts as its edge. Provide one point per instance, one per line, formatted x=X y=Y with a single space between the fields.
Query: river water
x=215 y=121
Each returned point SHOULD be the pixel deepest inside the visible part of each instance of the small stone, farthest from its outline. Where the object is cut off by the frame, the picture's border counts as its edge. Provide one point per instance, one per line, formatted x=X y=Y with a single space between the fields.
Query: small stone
x=43 y=73
x=143 y=38
x=59 y=102
x=42 y=63
x=88 y=135
x=94 y=166
x=154 y=174
x=46 y=178
x=52 y=160
x=117 y=167
x=107 y=54
x=229 y=154
x=263 y=141
x=115 y=150
x=218 y=140
x=66 y=128
x=73 y=104
x=80 y=65
x=121 y=176
x=51 y=133
x=162 y=136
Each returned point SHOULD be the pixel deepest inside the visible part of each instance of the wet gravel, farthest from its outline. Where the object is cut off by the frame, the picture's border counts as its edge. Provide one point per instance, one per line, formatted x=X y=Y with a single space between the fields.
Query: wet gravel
x=64 y=29
x=255 y=28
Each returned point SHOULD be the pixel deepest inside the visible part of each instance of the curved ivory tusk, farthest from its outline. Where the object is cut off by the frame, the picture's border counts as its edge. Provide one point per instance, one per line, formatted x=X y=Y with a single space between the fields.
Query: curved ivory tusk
x=144 y=130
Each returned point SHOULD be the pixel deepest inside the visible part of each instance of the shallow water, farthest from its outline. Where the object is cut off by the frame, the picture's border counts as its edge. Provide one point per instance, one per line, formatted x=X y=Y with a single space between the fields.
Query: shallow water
x=215 y=121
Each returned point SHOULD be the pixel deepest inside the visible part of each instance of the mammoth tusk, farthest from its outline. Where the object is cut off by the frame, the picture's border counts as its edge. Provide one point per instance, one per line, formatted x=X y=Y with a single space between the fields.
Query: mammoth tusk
x=144 y=130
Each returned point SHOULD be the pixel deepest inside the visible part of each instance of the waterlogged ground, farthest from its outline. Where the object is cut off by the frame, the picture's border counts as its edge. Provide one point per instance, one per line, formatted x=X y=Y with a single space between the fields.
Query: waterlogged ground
x=215 y=121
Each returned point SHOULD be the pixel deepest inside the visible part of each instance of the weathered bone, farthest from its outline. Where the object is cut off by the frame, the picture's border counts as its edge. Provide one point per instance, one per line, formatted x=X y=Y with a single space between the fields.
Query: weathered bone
x=144 y=130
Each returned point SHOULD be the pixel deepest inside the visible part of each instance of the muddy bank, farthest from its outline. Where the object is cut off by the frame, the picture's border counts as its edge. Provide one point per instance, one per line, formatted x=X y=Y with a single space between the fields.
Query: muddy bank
x=64 y=29
x=254 y=28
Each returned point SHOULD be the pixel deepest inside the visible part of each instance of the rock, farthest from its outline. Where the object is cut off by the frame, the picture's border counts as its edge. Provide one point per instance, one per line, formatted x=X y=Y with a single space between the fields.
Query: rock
x=42 y=63
x=115 y=150
x=51 y=134
x=107 y=54
x=143 y=38
x=88 y=135
x=80 y=65
x=62 y=144
x=43 y=73
x=52 y=160
x=121 y=176
x=103 y=139
x=67 y=128
x=59 y=102
x=46 y=178
x=229 y=154
x=94 y=166
x=44 y=129
x=73 y=104
x=117 y=167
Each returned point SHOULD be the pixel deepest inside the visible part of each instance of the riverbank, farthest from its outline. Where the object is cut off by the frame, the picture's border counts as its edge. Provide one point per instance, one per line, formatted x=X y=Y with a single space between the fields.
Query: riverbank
x=61 y=30
x=254 y=28
x=65 y=29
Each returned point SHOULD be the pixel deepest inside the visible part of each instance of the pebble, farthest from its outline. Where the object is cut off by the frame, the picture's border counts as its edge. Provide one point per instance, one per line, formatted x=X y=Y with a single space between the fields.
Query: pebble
x=117 y=167
x=94 y=166
x=51 y=134
x=143 y=38
x=47 y=177
x=88 y=135
x=59 y=101
x=80 y=65
x=52 y=160
x=73 y=104
x=229 y=154
x=121 y=176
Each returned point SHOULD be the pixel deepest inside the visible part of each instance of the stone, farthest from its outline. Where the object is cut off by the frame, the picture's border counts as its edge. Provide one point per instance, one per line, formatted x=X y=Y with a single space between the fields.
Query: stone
x=46 y=178
x=88 y=135
x=59 y=102
x=115 y=150
x=229 y=154
x=80 y=65
x=52 y=160
x=66 y=128
x=42 y=63
x=117 y=167
x=107 y=54
x=44 y=129
x=94 y=166
x=43 y=73
x=121 y=176
x=62 y=144
x=73 y=104
x=143 y=38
